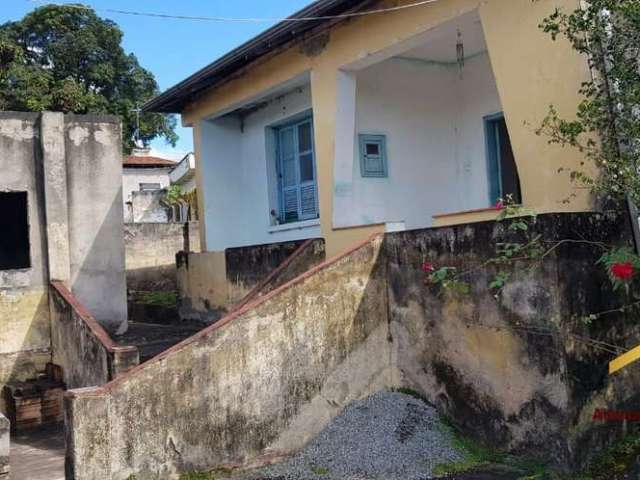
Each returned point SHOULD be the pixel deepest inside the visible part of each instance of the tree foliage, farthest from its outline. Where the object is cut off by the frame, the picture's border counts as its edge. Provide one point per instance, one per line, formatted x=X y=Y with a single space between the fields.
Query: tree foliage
x=607 y=126
x=66 y=58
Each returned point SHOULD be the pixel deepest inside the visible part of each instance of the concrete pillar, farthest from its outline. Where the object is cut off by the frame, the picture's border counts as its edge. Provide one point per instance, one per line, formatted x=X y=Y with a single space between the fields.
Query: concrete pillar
x=344 y=149
x=87 y=434
x=55 y=194
x=324 y=92
x=4 y=447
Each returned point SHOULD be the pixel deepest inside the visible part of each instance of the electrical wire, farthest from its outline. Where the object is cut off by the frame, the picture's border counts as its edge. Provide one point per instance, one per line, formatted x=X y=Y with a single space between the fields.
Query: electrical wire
x=247 y=20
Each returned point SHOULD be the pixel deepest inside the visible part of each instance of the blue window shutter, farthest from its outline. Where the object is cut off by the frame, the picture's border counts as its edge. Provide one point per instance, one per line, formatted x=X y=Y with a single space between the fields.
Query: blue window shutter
x=297 y=172
x=493 y=157
x=373 y=155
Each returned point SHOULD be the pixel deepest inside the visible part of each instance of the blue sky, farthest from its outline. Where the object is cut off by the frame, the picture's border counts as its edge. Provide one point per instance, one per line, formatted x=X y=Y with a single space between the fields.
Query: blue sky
x=173 y=49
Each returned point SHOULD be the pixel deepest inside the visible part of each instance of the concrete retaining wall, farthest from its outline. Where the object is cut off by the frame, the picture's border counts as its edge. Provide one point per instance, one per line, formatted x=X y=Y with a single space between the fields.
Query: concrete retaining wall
x=5 y=428
x=151 y=250
x=82 y=348
x=512 y=369
x=213 y=282
x=265 y=379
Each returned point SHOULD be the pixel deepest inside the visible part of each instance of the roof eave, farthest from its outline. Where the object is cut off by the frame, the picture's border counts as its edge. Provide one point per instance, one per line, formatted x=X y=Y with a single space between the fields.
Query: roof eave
x=177 y=97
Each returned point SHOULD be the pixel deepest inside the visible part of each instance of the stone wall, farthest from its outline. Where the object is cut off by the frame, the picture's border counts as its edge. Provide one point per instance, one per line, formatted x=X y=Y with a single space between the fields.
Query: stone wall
x=515 y=368
x=210 y=283
x=150 y=251
x=5 y=428
x=85 y=351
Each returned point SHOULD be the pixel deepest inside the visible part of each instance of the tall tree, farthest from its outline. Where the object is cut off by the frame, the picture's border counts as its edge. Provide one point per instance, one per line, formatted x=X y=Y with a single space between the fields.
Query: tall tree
x=66 y=58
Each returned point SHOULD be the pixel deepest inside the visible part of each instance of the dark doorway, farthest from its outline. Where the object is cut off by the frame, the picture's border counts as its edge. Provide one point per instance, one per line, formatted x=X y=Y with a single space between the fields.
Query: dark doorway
x=14 y=231
x=503 y=173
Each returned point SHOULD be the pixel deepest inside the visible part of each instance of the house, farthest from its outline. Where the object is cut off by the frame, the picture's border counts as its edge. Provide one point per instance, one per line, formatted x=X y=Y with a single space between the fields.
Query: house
x=145 y=179
x=355 y=121
x=184 y=176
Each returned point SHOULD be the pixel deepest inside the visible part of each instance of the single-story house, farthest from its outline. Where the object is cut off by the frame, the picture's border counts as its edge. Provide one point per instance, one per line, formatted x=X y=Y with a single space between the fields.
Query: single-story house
x=356 y=117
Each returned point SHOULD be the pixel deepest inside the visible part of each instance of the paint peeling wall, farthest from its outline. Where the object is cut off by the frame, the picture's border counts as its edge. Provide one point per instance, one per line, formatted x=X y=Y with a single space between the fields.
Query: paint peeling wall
x=266 y=378
x=67 y=165
x=150 y=252
x=85 y=351
x=94 y=175
x=211 y=283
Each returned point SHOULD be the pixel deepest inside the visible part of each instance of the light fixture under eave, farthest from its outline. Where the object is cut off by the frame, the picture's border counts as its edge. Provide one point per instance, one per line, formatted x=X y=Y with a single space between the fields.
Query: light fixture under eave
x=460 y=53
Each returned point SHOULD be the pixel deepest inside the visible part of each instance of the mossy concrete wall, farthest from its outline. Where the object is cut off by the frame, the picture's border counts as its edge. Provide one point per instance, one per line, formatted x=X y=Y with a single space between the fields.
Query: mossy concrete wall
x=263 y=381
x=70 y=169
x=513 y=369
x=150 y=253
x=4 y=447
x=210 y=283
x=85 y=351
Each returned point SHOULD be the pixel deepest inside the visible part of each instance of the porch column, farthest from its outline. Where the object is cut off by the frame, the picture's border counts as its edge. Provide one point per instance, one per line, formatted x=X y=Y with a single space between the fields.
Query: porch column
x=329 y=88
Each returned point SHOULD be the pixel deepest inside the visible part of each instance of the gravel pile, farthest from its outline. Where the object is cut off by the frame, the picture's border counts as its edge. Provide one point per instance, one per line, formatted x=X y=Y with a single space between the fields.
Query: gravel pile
x=386 y=436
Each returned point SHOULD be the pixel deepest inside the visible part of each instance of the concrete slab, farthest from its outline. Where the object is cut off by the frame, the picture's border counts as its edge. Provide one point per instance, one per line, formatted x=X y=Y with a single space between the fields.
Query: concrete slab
x=38 y=455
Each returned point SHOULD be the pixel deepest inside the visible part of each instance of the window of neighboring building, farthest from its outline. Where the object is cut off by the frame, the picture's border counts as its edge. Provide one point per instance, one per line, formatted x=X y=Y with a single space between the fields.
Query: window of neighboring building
x=149 y=187
x=297 y=185
x=373 y=155
x=502 y=170
x=14 y=225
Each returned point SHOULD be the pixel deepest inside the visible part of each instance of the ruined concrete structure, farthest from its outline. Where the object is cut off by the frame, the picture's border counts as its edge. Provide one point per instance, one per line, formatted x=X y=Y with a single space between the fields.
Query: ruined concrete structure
x=513 y=370
x=60 y=193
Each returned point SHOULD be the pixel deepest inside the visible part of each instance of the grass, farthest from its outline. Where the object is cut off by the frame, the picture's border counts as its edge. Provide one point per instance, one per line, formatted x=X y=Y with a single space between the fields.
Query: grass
x=321 y=471
x=197 y=476
x=616 y=461
x=161 y=299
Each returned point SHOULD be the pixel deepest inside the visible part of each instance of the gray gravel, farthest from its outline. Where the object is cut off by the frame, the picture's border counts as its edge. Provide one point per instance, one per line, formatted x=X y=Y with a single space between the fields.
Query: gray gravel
x=386 y=436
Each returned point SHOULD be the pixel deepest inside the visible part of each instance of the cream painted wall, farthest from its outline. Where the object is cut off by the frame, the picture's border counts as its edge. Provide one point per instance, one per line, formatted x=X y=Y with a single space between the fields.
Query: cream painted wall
x=433 y=122
x=237 y=160
x=531 y=72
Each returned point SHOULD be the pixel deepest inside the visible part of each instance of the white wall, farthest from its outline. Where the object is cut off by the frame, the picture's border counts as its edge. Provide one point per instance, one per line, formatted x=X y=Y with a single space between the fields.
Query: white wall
x=133 y=177
x=238 y=176
x=433 y=121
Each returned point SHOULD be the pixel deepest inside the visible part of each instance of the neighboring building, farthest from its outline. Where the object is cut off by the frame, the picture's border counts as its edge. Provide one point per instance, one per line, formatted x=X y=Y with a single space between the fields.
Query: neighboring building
x=413 y=118
x=145 y=179
x=184 y=176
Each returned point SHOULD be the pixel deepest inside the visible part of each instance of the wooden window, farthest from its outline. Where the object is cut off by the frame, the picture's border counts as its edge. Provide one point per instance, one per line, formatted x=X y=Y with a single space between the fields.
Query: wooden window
x=501 y=165
x=373 y=155
x=298 y=187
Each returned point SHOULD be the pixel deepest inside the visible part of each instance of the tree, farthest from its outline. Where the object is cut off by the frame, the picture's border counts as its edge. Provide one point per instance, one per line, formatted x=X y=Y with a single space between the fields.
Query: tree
x=607 y=124
x=66 y=58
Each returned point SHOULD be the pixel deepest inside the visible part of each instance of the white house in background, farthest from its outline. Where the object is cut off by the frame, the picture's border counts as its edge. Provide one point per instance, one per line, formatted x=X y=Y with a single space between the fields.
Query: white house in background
x=145 y=179
x=184 y=176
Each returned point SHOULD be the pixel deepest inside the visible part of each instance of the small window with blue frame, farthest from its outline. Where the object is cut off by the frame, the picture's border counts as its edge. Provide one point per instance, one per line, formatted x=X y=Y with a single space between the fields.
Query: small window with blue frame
x=373 y=156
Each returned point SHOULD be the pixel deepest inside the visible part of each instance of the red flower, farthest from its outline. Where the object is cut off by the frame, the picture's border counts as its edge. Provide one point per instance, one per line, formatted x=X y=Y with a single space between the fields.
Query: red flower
x=499 y=205
x=622 y=271
x=428 y=267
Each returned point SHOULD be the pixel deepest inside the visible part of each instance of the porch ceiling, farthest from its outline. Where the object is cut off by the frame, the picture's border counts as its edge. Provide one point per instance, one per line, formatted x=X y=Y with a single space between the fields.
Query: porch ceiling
x=440 y=46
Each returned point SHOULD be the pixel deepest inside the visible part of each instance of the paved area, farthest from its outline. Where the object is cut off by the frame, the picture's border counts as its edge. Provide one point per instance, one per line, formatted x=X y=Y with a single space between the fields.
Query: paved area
x=152 y=339
x=38 y=454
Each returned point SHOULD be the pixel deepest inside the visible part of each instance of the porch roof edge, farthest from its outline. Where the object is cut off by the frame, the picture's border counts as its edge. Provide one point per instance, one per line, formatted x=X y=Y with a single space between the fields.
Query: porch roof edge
x=174 y=99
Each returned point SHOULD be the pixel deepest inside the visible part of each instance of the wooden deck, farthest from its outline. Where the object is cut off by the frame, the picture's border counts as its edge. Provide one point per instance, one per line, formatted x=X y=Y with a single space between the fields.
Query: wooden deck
x=38 y=455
